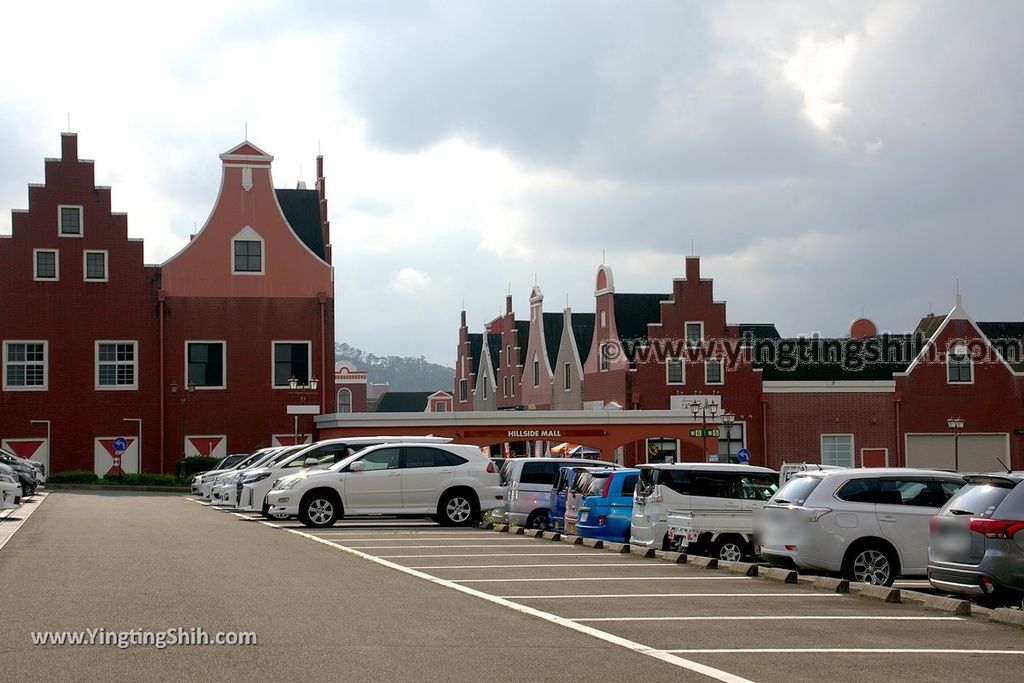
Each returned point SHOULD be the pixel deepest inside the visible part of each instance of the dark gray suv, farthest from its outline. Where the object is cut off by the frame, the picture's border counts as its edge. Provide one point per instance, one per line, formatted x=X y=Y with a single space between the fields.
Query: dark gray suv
x=977 y=539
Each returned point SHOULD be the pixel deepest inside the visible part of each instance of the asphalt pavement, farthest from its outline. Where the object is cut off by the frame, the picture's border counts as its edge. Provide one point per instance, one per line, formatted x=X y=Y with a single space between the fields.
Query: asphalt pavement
x=122 y=561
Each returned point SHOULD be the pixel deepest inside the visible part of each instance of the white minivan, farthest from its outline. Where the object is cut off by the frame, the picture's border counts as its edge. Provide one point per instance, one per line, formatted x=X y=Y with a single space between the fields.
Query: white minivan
x=693 y=486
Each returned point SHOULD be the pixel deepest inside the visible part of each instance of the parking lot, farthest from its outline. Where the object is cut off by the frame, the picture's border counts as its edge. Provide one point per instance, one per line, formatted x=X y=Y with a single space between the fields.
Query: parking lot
x=726 y=626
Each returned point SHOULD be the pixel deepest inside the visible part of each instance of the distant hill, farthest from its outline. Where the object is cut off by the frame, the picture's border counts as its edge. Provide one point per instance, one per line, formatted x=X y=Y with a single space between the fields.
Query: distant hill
x=403 y=373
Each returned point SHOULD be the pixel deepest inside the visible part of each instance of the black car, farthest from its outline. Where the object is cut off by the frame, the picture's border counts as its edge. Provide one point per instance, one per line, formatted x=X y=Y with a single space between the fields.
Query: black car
x=24 y=469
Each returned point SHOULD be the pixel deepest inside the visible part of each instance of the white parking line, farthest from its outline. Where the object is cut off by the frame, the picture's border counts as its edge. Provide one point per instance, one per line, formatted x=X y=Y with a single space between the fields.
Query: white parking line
x=551 y=554
x=848 y=650
x=672 y=595
x=775 y=617
x=536 y=566
x=639 y=648
x=433 y=545
x=607 y=578
x=420 y=538
x=7 y=531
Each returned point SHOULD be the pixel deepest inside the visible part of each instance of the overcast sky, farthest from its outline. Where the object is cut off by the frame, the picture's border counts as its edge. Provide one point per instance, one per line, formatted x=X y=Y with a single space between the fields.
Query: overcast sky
x=823 y=158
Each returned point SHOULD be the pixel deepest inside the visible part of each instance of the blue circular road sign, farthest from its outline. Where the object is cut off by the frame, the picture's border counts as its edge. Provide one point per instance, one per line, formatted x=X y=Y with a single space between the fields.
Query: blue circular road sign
x=743 y=455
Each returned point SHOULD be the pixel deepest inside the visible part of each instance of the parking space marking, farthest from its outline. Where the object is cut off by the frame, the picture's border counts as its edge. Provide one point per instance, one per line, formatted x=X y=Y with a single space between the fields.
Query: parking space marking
x=846 y=650
x=672 y=595
x=7 y=531
x=536 y=566
x=550 y=554
x=661 y=655
x=606 y=578
x=419 y=538
x=413 y=547
x=776 y=617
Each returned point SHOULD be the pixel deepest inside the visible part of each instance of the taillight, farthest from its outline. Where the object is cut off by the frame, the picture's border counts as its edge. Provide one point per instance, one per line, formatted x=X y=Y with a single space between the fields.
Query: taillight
x=491 y=469
x=996 y=528
x=933 y=523
x=607 y=487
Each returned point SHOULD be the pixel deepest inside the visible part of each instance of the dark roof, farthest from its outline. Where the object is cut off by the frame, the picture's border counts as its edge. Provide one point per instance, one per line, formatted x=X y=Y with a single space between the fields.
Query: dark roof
x=1008 y=339
x=836 y=358
x=494 y=349
x=403 y=402
x=302 y=210
x=929 y=324
x=758 y=331
x=553 y=324
x=476 y=343
x=633 y=312
x=522 y=337
x=583 y=331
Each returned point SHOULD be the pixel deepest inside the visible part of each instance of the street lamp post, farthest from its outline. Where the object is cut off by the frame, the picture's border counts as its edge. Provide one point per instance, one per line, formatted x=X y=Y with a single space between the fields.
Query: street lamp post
x=956 y=425
x=704 y=409
x=293 y=384
x=728 y=419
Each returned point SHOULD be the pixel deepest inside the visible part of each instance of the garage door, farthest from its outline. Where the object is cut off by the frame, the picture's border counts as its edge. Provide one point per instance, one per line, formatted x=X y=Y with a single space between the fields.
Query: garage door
x=978 y=452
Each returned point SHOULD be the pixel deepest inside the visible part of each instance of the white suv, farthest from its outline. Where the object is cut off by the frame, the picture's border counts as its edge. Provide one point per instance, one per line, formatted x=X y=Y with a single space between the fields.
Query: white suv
x=869 y=524
x=451 y=483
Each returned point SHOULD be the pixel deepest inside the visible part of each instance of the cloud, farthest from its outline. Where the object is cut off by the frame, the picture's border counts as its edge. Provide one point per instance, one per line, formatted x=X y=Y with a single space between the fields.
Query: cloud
x=410 y=281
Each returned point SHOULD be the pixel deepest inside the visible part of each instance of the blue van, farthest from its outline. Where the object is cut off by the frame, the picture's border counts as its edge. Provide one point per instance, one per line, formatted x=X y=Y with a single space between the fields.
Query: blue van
x=606 y=509
x=559 y=492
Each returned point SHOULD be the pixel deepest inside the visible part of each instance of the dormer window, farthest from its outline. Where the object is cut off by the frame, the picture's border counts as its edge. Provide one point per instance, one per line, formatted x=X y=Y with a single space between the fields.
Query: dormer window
x=70 y=221
x=959 y=368
x=247 y=253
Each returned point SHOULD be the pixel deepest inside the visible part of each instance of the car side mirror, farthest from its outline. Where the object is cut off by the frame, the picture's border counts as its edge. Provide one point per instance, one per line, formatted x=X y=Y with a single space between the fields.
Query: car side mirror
x=357 y=466
x=310 y=462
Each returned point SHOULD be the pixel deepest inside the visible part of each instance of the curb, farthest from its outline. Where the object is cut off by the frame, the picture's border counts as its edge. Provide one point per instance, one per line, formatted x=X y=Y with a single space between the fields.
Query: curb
x=882 y=593
x=617 y=547
x=669 y=556
x=778 y=575
x=702 y=562
x=1010 y=617
x=641 y=551
x=744 y=568
x=572 y=540
x=593 y=543
x=827 y=583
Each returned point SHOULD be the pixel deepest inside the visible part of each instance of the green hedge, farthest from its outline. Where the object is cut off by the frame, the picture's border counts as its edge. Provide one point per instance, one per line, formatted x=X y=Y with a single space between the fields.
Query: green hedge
x=144 y=479
x=73 y=477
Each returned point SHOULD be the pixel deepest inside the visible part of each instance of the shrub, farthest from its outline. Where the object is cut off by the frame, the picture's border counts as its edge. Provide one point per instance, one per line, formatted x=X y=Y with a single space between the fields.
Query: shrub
x=143 y=479
x=73 y=477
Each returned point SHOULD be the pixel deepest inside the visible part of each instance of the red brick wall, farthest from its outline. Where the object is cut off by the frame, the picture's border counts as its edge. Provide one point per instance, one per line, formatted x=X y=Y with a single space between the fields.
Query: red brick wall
x=71 y=315
x=994 y=402
x=796 y=422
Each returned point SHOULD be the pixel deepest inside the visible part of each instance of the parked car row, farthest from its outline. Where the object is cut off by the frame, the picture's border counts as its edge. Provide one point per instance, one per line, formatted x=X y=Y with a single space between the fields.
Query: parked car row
x=18 y=478
x=323 y=482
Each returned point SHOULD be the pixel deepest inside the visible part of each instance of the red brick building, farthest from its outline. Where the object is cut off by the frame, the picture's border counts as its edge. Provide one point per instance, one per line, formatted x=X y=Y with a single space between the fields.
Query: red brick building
x=111 y=364
x=866 y=399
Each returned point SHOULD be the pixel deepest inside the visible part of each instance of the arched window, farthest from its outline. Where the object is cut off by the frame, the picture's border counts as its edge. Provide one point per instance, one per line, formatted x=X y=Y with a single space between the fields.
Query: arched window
x=344 y=400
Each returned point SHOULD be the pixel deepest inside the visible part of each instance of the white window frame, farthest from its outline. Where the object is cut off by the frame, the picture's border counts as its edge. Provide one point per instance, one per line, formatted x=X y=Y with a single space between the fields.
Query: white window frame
x=85 y=265
x=686 y=336
x=875 y=448
x=81 y=220
x=483 y=387
x=960 y=350
x=135 y=365
x=508 y=355
x=682 y=371
x=46 y=365
x=604 y=319
x=602 y=357
x=721 y=370
x=223 y=360
x=56 y=265
x=349 y=392
x=309 y=359
x=247 y=234
x=536 y=373
x=853 y=449
x=463 y=390
x=567 y=379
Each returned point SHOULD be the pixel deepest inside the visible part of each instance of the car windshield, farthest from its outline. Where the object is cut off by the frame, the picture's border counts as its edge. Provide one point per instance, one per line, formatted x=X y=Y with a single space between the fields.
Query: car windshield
x=758 y=486
x=796 y=490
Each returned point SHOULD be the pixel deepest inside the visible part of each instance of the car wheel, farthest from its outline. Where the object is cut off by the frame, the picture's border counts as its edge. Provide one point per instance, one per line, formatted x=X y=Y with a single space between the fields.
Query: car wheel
x=319 y=510
x=457 y=509
x=870 y=564
x=538 y=519
x=729 y=549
